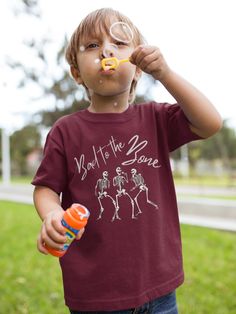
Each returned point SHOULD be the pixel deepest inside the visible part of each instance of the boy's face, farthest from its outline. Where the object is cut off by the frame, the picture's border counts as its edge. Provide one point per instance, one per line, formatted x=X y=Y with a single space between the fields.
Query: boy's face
x=91 y=74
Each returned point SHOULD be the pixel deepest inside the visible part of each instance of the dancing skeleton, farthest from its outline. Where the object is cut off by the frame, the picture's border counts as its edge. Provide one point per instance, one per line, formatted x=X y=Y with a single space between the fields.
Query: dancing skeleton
x=102 y=185
x=139 y=183
x=119 y=181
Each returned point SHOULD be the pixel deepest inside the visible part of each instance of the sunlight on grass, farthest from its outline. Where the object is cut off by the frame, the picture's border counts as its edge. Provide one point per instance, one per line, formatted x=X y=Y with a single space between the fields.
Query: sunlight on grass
x=209 y=260
x=30 y=283
x=222 y=181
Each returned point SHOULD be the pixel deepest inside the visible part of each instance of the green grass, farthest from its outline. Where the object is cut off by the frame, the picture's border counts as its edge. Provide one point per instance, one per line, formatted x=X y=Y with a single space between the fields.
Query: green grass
x=22 y=179
x=213 y=181
x=210 y=273
x=30 y=283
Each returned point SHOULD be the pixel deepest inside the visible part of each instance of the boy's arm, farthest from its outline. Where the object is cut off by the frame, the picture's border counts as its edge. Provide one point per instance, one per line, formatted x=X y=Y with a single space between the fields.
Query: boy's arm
x=45 y=201
x=48 y=206
x=203 y=117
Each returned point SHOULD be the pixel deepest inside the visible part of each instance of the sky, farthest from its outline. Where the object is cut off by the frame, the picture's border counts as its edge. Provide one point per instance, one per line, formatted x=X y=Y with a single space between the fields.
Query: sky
x=196 y=37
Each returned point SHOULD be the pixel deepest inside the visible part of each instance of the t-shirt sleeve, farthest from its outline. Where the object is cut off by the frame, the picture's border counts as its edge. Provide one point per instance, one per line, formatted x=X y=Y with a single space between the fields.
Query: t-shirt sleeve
x=177 y=127
x=52 y=171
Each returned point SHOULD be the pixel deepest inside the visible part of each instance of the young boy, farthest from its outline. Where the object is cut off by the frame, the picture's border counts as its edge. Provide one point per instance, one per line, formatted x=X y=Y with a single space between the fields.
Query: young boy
x=114 y=158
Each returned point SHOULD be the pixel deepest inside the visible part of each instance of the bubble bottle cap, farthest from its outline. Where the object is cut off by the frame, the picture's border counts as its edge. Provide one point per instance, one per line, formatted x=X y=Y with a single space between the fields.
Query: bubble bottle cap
x=76 y=216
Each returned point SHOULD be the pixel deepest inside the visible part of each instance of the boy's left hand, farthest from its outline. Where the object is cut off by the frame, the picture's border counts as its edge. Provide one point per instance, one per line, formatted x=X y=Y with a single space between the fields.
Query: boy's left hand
x=150 y=60
x=80 y=234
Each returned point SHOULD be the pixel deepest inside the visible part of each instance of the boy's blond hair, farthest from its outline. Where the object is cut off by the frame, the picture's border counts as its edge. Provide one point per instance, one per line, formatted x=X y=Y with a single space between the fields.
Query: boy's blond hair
x=93 y=24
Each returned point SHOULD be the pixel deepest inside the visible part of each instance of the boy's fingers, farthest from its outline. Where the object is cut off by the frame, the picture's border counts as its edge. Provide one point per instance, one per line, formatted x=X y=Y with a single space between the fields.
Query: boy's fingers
x=142 y=54
x=80 y=234
x=56 y=222
x=51 y=232
x=41 y=246
x=134 y=56
x=47 y=238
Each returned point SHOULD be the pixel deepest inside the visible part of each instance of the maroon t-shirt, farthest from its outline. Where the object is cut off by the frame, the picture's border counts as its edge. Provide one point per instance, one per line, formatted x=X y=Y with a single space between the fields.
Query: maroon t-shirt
x=117 y=165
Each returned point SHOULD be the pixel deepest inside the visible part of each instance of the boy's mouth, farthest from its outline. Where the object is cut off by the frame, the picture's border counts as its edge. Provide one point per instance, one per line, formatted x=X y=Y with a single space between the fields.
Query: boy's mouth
x=107 y=71
x=108 y=68
x=109 y=63
x=112 y=63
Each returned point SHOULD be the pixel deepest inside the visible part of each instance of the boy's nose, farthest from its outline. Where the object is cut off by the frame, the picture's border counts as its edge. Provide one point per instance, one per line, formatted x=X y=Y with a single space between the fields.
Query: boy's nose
x=106 y=54
x=108 y=51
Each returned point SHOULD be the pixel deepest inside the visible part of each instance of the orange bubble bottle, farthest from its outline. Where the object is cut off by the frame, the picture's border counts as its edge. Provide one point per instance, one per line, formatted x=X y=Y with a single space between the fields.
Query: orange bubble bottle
x=74 y=219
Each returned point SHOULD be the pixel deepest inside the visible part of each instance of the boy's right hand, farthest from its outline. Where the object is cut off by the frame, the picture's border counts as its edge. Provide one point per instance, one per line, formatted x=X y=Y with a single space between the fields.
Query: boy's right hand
x=150 y=60
x=52 y=233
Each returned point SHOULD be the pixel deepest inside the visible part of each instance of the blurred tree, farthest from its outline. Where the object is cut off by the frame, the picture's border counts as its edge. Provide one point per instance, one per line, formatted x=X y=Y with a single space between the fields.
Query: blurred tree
x=53 y=77
x=0 y=146
x=220 y=146
x=27 y=6
x=24 y=142
x=48 y=117
x=47 y=71
x=53 y=80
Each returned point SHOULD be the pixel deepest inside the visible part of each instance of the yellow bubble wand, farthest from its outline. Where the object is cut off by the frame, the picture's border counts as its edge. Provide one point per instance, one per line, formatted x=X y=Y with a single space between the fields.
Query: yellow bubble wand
x=120 y=31
x=112 y=63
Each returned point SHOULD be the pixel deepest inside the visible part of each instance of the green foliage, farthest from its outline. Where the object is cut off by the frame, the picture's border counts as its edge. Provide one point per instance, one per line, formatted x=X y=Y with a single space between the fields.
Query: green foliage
x=31 y=283
x=23 y=142
x=221 y=145
x=48 y=118
x=0 y=145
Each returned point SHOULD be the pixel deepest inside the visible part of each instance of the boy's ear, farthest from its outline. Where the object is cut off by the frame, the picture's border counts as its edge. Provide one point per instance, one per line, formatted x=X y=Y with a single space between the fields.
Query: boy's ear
x=76 y=75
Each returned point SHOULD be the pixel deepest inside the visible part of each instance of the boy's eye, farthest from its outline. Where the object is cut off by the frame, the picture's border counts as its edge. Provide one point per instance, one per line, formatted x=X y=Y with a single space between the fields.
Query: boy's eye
x=92 y=46
x=121 y=43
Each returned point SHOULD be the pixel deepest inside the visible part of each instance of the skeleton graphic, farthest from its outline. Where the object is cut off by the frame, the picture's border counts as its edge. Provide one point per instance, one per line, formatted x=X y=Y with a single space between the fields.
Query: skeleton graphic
x=102 y=185
x=119 y=181
x=140 y=184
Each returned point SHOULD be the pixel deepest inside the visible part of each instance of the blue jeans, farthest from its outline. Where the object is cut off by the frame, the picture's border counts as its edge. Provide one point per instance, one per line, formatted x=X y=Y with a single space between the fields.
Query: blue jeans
x=163 y=305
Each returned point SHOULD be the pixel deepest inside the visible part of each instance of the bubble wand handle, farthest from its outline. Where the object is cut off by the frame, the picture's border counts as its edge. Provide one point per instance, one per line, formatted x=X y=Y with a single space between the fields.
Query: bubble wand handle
x=123 y=61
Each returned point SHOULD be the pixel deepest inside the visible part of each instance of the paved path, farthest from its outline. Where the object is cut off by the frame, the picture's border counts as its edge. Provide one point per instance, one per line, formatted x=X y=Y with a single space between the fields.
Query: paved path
x=20 y=193
x=200 y=211
x=206 y=190
x=196 y=209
